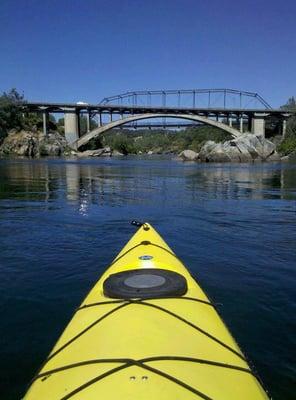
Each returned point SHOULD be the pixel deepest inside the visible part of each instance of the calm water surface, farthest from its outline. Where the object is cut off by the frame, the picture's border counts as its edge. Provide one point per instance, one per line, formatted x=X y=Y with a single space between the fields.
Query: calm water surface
x=62 y=222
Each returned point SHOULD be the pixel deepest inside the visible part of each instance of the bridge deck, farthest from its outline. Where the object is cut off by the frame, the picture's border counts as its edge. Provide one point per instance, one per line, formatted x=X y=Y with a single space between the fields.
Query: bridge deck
x=126 y=109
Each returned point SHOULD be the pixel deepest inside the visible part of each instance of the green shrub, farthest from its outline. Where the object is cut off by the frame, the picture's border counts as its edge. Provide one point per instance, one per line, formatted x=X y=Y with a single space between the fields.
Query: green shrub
x=131 y=141
x=288 y=145
x=122 y=144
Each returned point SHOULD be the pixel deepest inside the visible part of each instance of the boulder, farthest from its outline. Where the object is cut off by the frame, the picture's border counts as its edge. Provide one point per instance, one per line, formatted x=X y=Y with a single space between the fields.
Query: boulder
x=116 y=153
x=105 y=151
x=90 y=153
x=188 y=155
x=34 y=144
x=292 y=156
x=245 y=148
x=285 y=158
x=21 y=143
x=206 y=149
x=52 y=144
x=274 y=157
x=219 y=153
x=247 y=151
x=258 y=145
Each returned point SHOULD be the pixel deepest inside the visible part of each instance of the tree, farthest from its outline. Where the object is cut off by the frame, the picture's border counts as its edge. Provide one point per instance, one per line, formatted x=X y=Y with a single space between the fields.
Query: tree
x=83 y=124
x=291 y=123
x=12 y=116
x=10 y=113
x=290 y=105
x=288 y=145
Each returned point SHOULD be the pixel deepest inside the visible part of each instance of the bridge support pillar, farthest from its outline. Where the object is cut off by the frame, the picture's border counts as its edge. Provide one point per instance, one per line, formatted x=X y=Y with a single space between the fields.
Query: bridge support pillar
x=88 y=122
x=241 y=124
x=284 y=128
x=258 y=125
x=45 y=120
x=71 y=126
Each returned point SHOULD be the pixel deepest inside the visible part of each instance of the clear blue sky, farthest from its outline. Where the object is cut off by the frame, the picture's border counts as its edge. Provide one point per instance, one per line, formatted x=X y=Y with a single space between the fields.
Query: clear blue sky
x=71 y=50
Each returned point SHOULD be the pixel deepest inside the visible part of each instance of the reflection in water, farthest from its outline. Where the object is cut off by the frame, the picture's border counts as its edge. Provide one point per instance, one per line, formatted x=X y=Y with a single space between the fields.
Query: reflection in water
x=141 y=181
x=28 y=181
x=72 y=181
x=252 y=182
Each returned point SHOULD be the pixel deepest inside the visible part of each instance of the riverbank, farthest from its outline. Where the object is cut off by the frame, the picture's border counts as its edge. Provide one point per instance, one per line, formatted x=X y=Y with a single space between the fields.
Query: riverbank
x=185 y=145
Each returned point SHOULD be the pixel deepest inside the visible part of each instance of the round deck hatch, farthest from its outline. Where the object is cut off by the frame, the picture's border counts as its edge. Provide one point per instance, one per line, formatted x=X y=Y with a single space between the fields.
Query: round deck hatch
x=145 y=283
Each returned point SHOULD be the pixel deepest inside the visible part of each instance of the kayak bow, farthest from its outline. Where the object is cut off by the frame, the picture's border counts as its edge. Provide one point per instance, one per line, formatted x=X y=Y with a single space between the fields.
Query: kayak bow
x=146 y=331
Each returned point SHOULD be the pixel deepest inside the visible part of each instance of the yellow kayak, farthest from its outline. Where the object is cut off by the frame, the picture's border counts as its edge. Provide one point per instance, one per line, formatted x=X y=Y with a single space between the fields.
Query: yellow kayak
x=146 y=331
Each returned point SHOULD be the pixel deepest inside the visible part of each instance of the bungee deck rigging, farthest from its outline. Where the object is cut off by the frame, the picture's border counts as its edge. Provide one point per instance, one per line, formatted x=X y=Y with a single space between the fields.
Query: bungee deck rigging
x=141 y=363
x=207 y=365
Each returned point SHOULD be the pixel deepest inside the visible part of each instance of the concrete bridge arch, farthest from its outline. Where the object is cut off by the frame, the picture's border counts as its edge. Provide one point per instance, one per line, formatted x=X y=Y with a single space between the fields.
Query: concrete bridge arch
x=114 y=124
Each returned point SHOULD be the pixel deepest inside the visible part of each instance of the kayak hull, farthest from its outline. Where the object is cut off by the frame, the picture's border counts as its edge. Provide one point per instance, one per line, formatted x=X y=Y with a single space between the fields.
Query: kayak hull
x=166 y=347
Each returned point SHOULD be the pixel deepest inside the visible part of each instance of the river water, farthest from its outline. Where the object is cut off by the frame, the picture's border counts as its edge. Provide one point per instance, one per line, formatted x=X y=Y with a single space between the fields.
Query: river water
x=62 y=222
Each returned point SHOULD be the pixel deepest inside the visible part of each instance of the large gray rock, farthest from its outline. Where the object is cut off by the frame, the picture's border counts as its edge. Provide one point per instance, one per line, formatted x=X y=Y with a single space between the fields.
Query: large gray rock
x=188 y=155
x=206 y=150
x=289 y=157
x=103 y=152
x=219 y=153
x=34 y=144
x=274 y=157
x=245 y=148
x=90 y=153
x=52 y=144
x=257 y=146
x=21 y=143
x=116 y=153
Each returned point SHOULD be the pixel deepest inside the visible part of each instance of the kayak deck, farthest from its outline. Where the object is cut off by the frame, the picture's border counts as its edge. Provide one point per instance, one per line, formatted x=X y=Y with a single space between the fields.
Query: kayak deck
x=174 y=347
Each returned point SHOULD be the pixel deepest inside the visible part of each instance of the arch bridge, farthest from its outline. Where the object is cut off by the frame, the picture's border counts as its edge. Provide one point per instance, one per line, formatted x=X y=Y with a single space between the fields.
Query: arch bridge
x=231 y=110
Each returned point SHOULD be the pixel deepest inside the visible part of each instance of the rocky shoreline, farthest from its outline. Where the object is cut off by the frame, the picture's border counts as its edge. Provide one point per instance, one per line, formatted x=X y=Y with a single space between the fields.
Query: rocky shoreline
x=244 y=149
x=34 y=144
